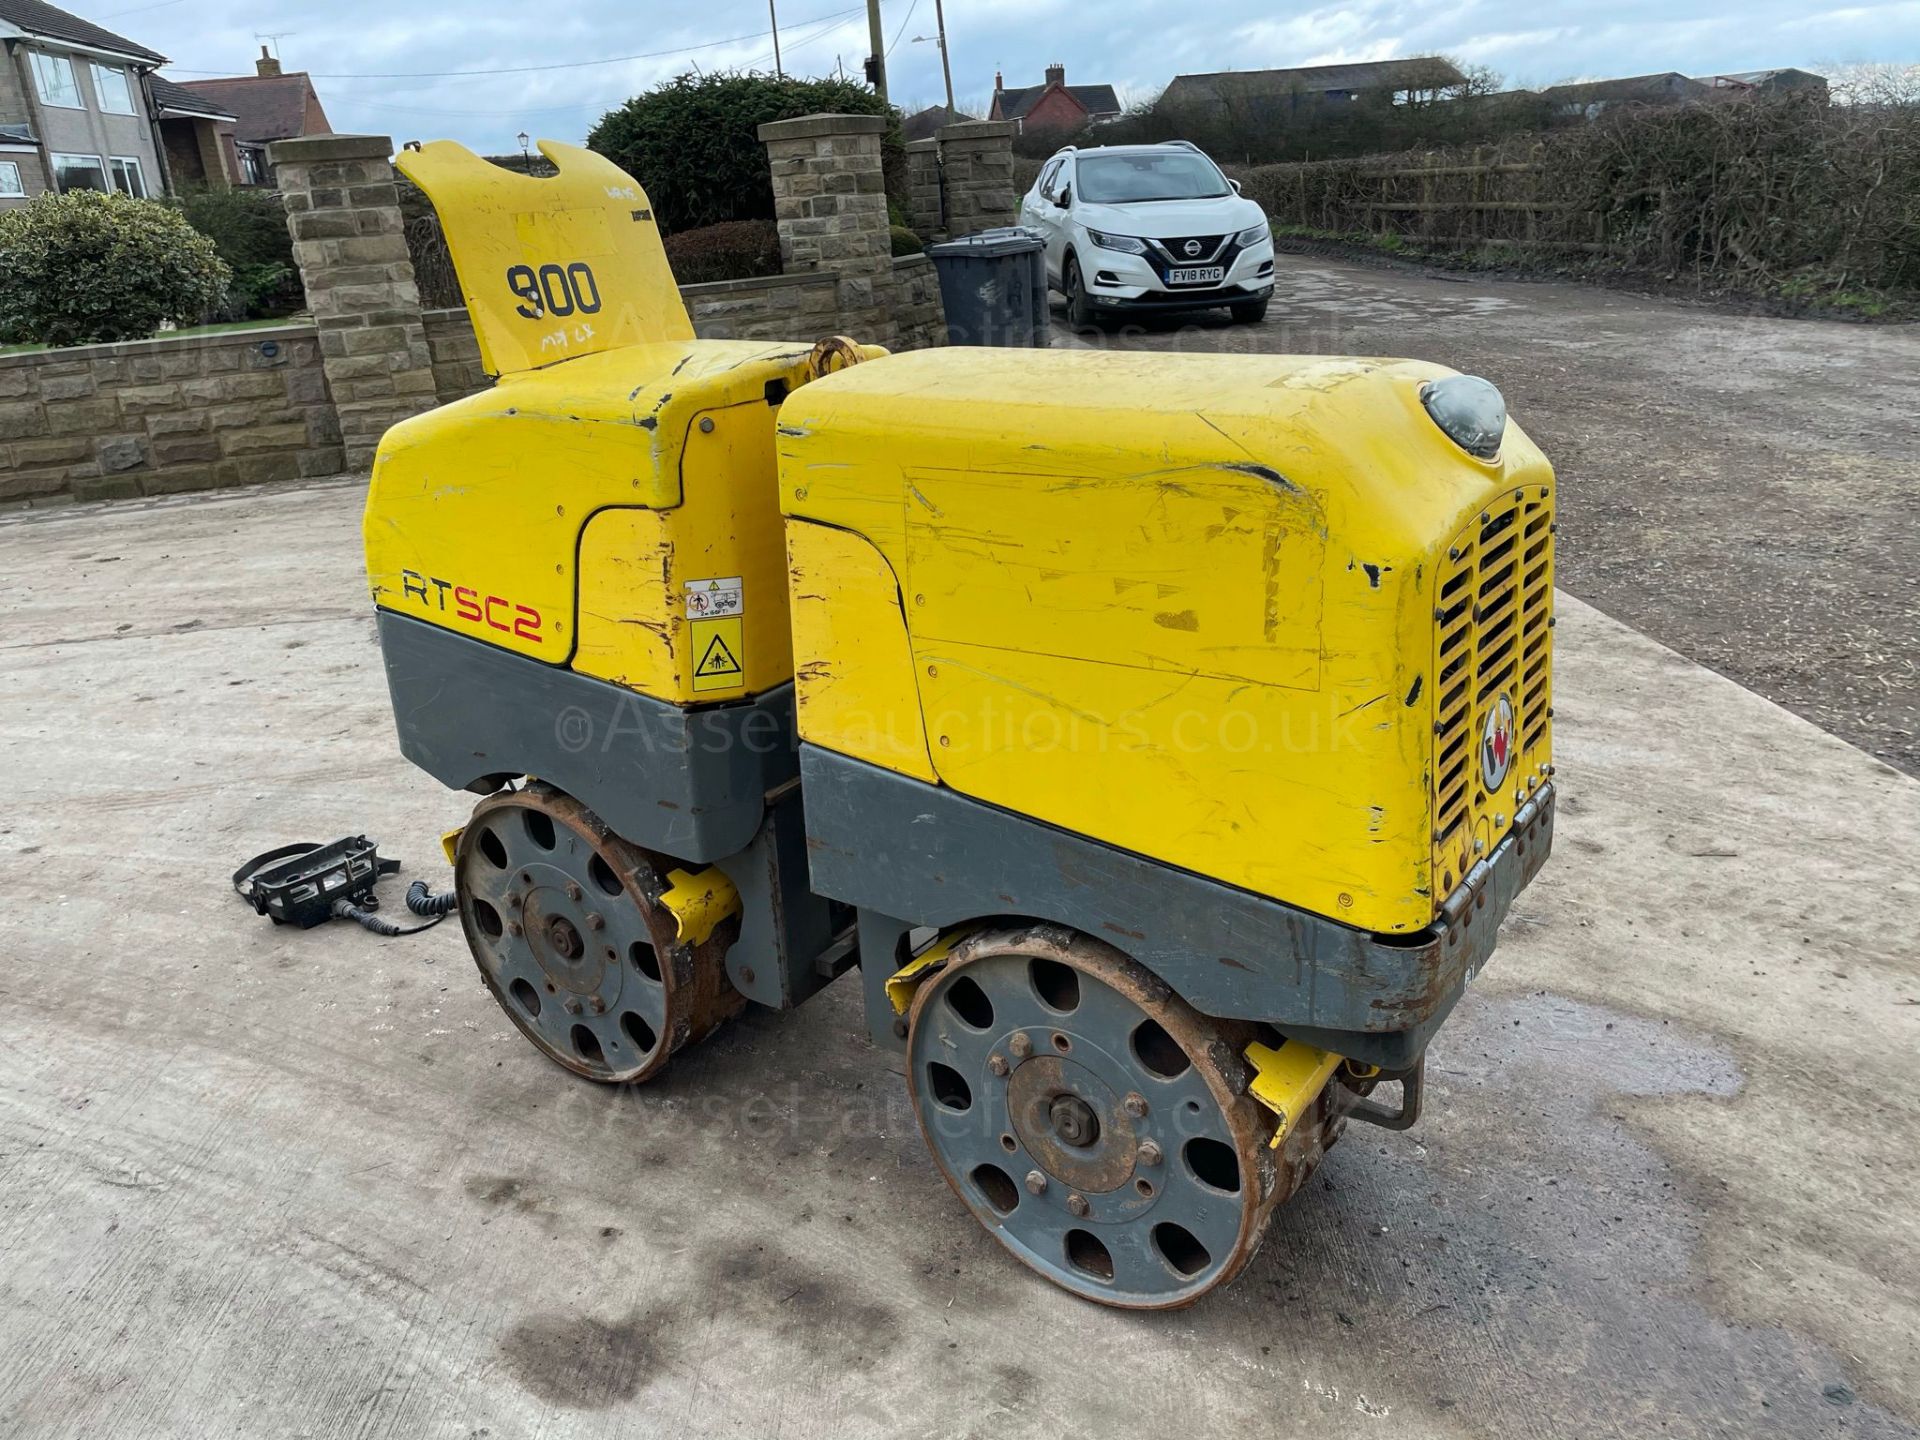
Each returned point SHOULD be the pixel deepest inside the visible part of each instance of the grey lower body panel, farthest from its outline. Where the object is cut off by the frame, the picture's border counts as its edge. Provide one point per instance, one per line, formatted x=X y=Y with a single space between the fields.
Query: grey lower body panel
x=932 y=857
x=691 y=784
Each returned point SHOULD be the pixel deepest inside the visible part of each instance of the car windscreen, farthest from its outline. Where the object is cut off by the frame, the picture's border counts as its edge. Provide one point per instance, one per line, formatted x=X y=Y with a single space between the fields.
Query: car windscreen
x=1156 y=175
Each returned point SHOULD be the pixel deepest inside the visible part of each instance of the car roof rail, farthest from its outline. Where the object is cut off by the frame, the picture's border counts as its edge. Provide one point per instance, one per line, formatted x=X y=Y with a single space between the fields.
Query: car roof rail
x=1184 y=145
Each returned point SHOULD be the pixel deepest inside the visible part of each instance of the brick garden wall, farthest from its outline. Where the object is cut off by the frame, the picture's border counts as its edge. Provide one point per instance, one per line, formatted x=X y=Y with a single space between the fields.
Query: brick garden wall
x=150 y=417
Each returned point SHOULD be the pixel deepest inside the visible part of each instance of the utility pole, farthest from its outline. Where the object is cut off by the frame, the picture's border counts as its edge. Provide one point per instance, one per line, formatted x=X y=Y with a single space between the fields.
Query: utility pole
x=877 y=63
x=774 y=16
x=946 y=65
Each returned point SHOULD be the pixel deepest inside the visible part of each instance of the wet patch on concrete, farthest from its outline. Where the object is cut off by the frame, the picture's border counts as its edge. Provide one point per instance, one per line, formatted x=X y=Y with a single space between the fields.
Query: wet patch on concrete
x=582 y=1362
x=783 y=1298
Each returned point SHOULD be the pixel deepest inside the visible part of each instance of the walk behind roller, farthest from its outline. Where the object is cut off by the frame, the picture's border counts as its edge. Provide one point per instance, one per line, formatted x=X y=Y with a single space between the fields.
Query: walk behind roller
x=1163 y=738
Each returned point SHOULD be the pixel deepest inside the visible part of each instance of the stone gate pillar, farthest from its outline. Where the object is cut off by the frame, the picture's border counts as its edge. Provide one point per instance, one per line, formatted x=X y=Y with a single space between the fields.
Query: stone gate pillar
x=976 y=157
x=926 y=210
x=830 y=202
x=343 y=210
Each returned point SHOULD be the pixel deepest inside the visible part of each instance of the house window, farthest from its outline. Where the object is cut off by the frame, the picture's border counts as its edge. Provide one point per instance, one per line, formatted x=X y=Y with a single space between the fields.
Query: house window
x=10 y=186
x=79 y=172
x=53 y=77
x=116 y=95
x=127 y=176
x=253 y=166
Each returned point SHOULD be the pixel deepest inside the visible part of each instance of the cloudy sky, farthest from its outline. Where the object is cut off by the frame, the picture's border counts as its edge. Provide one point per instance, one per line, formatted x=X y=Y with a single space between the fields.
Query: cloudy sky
x=381 y=65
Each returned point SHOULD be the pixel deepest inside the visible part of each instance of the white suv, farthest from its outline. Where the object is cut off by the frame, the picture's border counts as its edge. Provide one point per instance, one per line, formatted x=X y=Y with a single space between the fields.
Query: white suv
x=1133 y=227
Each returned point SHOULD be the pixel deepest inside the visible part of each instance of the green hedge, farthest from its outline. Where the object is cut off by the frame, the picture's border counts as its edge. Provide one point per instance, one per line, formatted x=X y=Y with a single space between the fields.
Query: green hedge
x=249 y=229
x=732 y=250
x=694 y=142
x=82 y=268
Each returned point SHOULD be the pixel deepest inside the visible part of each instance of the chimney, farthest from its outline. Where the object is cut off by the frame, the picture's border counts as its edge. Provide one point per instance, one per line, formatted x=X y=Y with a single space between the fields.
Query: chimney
x=1056 y=75
x=266 y=64
x=999 y=83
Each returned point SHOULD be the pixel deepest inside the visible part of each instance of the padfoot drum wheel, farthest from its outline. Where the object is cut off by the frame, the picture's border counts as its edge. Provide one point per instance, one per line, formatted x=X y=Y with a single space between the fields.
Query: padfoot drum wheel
x=564 y=921
x=1095 y=1123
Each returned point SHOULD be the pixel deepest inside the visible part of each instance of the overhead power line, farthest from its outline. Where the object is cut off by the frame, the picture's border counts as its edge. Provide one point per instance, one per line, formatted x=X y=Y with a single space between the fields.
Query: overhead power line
x=534 y=69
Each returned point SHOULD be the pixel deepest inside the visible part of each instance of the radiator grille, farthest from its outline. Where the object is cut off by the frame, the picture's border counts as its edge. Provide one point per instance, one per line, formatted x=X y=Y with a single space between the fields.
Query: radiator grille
x=1493 y=612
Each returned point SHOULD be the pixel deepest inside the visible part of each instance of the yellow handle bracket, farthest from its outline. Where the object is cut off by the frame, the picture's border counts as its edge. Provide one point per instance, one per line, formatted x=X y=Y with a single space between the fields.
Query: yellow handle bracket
x=909 y=977
x=1288 y=1080
x=698 y=903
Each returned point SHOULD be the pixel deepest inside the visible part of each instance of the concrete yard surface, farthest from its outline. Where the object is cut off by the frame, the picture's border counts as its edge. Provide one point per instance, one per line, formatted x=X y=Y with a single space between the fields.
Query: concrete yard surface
x=260 y=1182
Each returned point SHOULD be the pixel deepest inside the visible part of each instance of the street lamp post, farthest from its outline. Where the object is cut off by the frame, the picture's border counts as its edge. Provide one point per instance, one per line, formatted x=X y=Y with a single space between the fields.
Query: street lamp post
x=526 y=154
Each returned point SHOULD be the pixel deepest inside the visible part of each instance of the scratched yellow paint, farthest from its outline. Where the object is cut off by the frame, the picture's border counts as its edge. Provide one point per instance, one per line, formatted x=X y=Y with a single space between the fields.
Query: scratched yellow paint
x=1179 y=603
x=520 y=244
x=635 y=566
x=857 y=693
x=581 y=497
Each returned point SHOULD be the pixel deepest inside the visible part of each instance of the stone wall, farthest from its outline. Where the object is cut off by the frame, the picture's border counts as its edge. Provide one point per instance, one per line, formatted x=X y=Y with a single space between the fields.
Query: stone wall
x=149 y=417
x=920 y=320
x=313 y=398
x=456 y=354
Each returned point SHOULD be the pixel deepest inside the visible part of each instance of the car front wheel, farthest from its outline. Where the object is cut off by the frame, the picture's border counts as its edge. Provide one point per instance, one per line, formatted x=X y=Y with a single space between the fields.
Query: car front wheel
x=1079 y=307
x=1251 y=312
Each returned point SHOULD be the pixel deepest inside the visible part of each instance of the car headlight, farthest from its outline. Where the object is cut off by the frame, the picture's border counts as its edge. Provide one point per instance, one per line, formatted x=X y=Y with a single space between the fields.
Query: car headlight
x=1125 y=244
x=1259 y=234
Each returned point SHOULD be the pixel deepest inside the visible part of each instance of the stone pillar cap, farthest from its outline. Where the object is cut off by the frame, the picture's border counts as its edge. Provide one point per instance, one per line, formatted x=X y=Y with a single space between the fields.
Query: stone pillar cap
x=979 y=130
x=808 y=127
x=318 y=149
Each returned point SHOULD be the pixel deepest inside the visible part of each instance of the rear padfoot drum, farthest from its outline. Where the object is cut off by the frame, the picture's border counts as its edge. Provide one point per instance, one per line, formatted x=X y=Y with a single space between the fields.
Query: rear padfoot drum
x=564 y=920
x=1095 y=1123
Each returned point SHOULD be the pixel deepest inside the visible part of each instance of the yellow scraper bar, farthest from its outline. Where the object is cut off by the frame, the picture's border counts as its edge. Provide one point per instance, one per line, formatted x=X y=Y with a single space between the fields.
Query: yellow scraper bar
x=698 y=903
x=907 y=978
x=1288 y=1080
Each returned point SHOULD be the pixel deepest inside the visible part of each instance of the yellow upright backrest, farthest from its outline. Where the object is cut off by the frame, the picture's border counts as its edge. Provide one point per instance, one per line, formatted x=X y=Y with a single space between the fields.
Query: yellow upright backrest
x=552 y=267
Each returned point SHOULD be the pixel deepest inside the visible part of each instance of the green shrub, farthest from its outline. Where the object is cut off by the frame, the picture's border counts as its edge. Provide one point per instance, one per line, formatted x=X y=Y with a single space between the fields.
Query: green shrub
x=249 y=229
x=905 y=242
x=694 y=142
x=84 y=267
x=733 y=250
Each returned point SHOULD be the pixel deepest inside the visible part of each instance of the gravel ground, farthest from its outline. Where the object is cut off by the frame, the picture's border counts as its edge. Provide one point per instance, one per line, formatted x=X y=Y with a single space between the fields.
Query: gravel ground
x=1745 y=489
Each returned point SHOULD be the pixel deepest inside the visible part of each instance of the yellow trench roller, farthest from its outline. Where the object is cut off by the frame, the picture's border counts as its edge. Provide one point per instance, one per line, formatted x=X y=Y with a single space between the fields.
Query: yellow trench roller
x=1163 y=738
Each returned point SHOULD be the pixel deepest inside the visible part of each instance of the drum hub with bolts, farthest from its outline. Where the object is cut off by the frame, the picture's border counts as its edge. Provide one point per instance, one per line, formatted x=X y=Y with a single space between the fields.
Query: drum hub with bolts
x=564 y=922
x=1094 y=1122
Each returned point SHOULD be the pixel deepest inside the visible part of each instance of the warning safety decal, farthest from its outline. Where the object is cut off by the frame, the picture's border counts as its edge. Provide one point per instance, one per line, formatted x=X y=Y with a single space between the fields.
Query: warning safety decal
x=719 y=653
x=711 y=599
